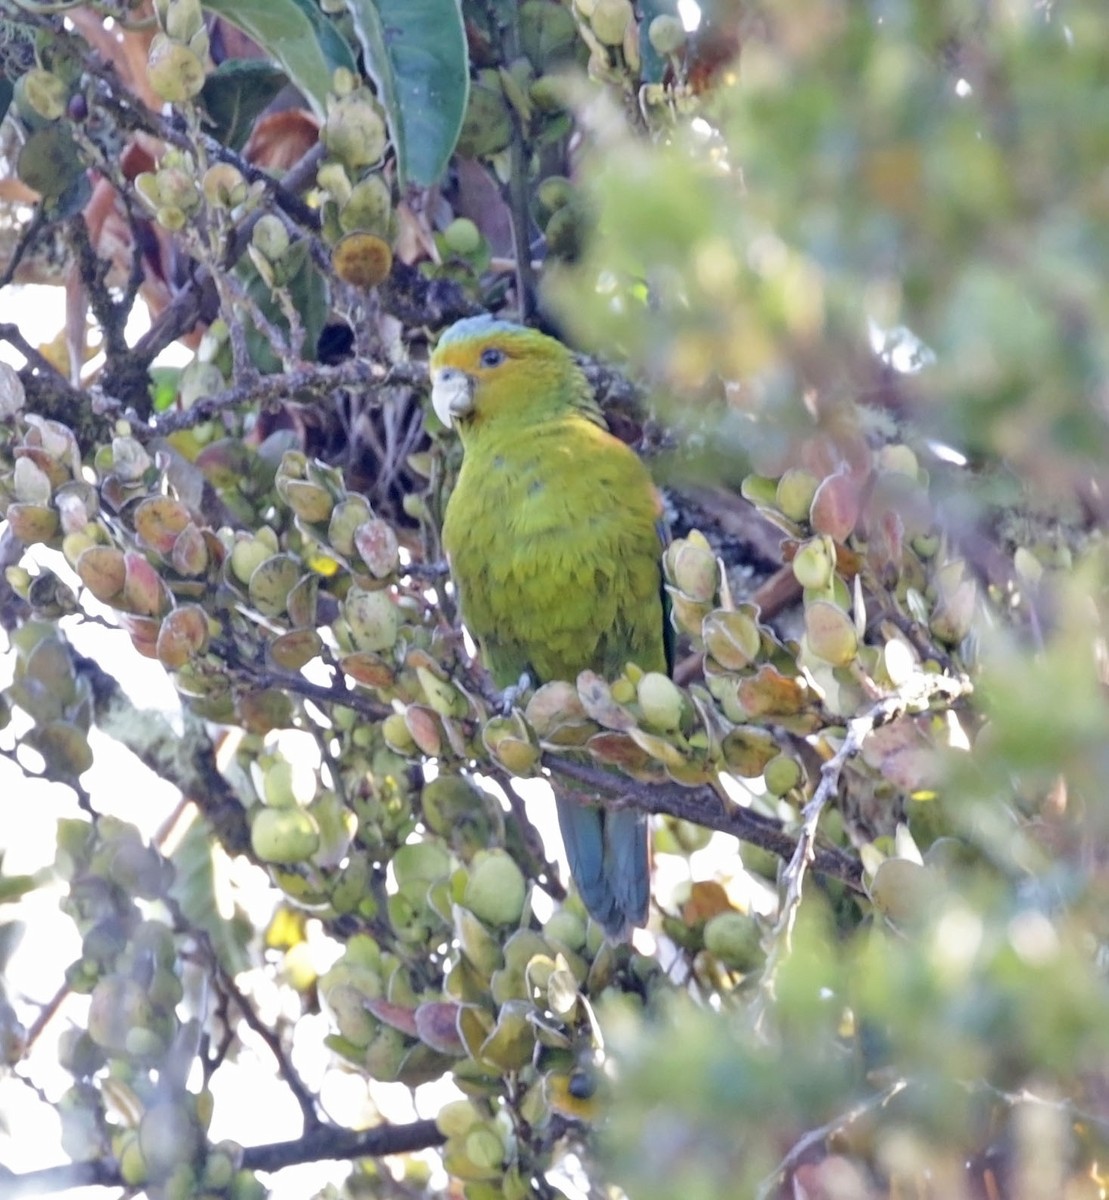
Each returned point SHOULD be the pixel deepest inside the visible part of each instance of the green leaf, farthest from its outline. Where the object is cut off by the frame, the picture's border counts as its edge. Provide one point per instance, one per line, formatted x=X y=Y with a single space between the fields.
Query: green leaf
x=305 y=44
x=50 y=162
x=15 y=887
x=337 y=50
x=305 y=287
x=416 y=52
x=7 y=89
x=164 y=384
x=194 y=890
x=236 y=92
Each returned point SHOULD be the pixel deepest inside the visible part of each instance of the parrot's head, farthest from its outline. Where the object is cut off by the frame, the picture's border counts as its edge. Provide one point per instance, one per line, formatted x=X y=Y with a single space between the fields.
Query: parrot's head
x=487 y=371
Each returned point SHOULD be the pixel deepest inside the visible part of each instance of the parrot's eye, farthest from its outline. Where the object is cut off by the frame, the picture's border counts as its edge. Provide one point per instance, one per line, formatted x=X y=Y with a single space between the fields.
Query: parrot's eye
x=492 y=357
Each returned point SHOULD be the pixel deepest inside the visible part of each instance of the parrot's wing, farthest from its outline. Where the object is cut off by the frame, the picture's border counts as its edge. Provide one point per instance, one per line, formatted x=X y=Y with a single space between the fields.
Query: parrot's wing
x=669 y=637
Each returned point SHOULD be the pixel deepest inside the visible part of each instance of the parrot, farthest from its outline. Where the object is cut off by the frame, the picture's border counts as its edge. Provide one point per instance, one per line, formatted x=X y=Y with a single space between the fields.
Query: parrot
x=554 y=541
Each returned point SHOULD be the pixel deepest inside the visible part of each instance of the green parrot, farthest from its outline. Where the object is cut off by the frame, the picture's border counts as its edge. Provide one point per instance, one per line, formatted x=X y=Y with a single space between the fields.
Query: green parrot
x=553 y=537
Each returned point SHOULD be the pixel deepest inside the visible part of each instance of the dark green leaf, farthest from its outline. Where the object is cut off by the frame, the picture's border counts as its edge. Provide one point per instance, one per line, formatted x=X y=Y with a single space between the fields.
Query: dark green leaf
x=286 y=31
x=337 y=50
x=416 y=52
x=236 y=92
x=308 y=291
x=50 y=162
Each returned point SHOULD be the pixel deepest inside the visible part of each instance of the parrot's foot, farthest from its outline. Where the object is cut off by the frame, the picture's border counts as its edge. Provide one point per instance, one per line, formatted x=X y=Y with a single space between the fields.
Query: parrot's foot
x=514 y=691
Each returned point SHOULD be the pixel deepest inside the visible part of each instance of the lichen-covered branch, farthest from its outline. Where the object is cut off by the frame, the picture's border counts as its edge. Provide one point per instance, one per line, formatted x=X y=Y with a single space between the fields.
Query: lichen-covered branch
x=188 y=761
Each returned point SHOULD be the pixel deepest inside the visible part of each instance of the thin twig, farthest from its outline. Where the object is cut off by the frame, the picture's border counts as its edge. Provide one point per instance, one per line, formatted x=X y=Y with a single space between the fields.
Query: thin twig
x=817 y=1137
x=304 y=1098
x=35 y=359
x=46 y=1015
x=507 y=22
x=917 y=693
x=26 y=238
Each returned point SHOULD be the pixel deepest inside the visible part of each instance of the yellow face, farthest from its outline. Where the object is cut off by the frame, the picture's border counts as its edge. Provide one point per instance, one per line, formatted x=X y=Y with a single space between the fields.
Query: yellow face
x=485 y=369
x=458 y=371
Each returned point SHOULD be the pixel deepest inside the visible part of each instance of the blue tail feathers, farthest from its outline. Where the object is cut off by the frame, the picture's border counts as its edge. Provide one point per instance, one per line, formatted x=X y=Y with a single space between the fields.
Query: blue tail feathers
x=607 y=851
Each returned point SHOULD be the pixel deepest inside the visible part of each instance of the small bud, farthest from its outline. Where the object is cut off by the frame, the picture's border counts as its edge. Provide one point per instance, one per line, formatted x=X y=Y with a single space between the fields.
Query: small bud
x=830 y=633
x=735 y=939
x=223 y=185
x=732 y=638
x=171 y=219
x=283 y=835
x=666 y=34
x=355 y=131
x=693 y=568
x=462 y=236
x=368 y=207
x=795 y=492
x=31 y=483
x=344 y=80
x=333 y=178
x=781 y=774
x=610 y=20
x=44 y=93
x=146 y=185
x=496 y=888
x=661 y=700
x=814 y=563
x=177 y=188
x=183 y=19
x=555 y=192
x=174 y=71
x=270 y=237
x=898 y=459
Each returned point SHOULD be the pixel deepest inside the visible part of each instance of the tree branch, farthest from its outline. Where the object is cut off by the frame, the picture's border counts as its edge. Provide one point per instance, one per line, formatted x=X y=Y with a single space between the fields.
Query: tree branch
x=188 y=761
x=329 y=1142
x=703 y=806
x=103 y=1172
x=317 y=380
x=325 y=1142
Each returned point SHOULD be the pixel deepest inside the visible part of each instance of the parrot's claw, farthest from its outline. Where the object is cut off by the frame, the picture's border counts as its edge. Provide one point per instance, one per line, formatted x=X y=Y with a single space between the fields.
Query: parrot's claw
x=514 y=691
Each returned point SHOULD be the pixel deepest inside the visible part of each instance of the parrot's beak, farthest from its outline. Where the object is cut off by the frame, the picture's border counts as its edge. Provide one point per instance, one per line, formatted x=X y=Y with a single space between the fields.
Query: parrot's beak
x=452 y=394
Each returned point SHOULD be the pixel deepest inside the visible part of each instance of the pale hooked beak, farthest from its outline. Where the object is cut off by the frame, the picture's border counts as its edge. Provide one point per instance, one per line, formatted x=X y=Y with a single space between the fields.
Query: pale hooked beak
x=451 y=394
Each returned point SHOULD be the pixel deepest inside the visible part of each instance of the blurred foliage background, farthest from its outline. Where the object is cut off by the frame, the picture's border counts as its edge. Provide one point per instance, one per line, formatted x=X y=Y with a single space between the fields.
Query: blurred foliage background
x=839 y=271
